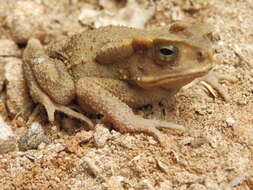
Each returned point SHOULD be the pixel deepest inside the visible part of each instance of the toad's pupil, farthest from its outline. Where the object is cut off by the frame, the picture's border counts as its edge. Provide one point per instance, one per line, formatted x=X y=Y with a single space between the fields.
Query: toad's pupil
x=166 y=51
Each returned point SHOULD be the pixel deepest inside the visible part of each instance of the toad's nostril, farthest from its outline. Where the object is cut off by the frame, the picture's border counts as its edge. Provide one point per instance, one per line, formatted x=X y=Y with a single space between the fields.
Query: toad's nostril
x=200 y=56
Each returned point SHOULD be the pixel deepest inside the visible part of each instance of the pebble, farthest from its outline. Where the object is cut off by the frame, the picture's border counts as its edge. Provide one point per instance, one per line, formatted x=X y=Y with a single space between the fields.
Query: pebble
x=18 y=101
x=230 y=121
x=8 y=48
x=101 y=135
x=27 y=19
x=33 y=138
x=7 y=138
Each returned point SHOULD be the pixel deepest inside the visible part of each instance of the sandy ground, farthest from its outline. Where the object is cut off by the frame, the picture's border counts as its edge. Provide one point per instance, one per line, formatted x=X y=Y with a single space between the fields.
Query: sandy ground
x=216 y=152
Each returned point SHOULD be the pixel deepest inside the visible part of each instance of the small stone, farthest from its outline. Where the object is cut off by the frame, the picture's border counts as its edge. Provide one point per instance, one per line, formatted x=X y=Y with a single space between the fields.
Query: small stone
x=84 y=136
x=72 y=145
x=7 y=138
x=211 y=184
x=230 y=121
x=91 y=166
x=58 y=147
x=127 y=141
x=197 y=142
x=151 y=140
x=18 y=100
x=8 y=48
x=240 y=179
x=41 y=146
x=166 y=185
x=115 y=182
x=197 y=187
x=133 y=14
x=27 y=19
x=101 y=135
x=33 y=137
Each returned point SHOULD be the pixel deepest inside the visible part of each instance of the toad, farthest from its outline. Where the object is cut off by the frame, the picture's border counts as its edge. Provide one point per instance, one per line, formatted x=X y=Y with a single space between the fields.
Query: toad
x=112 y=69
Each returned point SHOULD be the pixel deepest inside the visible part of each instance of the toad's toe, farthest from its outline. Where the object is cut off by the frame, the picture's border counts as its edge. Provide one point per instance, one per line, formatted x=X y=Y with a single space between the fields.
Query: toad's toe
x=213 y=78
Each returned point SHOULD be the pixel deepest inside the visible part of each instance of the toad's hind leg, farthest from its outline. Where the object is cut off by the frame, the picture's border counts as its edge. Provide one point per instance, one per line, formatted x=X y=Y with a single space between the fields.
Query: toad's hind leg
x=54 y=80
x=51 y=107
x=91 y=91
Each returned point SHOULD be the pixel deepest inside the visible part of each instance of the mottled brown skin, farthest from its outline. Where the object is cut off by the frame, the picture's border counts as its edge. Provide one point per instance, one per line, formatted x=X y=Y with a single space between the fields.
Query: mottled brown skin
x=113 y=68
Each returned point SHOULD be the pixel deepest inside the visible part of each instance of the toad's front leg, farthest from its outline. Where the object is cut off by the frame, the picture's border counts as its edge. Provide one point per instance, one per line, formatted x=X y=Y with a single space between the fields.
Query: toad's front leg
x=92 y=92
x=213 y=78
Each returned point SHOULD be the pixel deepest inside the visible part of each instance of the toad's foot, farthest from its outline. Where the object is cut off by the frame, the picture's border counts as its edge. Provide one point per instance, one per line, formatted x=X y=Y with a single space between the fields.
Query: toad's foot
x=52 y=107
x=213 y=78
x=92 y=92
x=133 y=123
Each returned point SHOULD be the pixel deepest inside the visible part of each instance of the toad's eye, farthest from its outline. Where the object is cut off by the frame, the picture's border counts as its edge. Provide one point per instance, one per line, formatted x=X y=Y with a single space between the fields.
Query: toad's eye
x=166 y=53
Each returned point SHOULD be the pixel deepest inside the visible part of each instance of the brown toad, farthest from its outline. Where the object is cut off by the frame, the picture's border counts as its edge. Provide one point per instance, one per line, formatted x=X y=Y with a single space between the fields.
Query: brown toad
x=113 y=68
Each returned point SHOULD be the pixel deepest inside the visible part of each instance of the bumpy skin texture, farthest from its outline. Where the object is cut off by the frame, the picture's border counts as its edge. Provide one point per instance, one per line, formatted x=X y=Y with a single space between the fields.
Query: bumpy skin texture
x=113 y=68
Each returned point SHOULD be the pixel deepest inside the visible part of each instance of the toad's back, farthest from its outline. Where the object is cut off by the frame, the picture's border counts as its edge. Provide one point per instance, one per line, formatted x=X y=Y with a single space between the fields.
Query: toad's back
x=83 y=47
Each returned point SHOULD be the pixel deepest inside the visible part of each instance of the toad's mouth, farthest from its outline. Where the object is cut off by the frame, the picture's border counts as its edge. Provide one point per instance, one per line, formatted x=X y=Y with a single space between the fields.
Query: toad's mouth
x=171 y=80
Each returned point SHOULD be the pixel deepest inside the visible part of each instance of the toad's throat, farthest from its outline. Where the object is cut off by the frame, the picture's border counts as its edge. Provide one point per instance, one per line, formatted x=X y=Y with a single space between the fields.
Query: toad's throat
x=170 y=80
